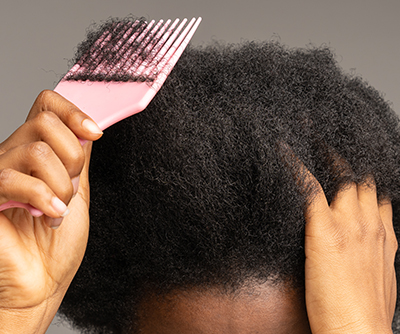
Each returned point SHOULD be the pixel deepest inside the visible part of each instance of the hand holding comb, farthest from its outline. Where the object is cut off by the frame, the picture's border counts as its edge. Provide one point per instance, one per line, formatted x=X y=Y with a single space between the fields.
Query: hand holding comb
x=121 y=71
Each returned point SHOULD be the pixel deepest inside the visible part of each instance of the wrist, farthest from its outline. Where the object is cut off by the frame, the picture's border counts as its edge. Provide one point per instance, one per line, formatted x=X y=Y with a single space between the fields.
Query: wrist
x=30 y=320
x=357 y=331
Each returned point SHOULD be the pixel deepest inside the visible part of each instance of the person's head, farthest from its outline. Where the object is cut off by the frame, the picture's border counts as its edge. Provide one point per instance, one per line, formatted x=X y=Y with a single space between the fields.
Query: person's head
x=196 y=217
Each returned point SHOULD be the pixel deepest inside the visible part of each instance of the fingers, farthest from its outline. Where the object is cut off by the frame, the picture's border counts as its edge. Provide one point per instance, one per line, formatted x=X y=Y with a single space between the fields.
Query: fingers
x=44 y=121
x=20 y=187
x=38 y=161
x=305 y=180
x=318 y=208
x=79 y=123
x=318 y=205
x=356 y=206
x=42 y=161
x=351 y=199
x=350 y=249
x=386 y=214
x=47 y=128
x=366 y=194
x=346 y=199
x=349 y=240
x=35 y=175
x=383 y=212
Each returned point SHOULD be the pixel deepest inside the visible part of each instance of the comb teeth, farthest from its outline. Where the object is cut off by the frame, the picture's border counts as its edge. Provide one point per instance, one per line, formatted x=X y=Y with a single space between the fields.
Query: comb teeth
x=121 y=51
x=132 y=51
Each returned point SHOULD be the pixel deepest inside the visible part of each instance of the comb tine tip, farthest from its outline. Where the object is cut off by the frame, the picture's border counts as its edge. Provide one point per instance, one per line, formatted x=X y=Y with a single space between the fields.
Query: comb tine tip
x=172 y=56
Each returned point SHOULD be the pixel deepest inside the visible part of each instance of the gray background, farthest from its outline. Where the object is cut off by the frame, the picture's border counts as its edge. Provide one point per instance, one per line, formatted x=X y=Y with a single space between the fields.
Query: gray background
x=38 y=37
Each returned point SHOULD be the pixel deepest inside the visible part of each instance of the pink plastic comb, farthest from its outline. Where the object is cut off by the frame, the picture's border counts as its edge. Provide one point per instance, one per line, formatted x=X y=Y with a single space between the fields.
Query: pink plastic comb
x=121 y=71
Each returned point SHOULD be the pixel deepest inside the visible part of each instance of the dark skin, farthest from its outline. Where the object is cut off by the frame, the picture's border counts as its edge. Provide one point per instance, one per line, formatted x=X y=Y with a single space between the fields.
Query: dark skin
x=350 y=284
x=259 y=308
x=350 y=280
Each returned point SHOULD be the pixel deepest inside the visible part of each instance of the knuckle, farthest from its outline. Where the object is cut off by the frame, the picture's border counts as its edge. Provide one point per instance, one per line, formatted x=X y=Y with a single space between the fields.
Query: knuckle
x=380 y=232
x=39 y=150
x=46 y=118
x=341 y=241
x=362 y=230
x=5 y=175
x=44 y=97
x=336 y=237
x=76 y=161
x=7 y=181
x=368 y=229
x=42 y=102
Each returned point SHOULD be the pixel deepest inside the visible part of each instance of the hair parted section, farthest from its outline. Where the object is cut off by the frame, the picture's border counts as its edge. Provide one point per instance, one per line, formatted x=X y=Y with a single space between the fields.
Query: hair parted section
x=196 y=191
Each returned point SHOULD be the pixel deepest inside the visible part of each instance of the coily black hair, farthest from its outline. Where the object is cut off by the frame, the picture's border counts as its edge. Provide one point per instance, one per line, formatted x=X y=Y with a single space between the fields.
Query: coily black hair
x=194 y=192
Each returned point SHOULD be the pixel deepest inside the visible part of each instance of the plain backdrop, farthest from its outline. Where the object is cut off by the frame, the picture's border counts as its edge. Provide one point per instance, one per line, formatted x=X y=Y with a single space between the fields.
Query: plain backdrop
x=38 y=37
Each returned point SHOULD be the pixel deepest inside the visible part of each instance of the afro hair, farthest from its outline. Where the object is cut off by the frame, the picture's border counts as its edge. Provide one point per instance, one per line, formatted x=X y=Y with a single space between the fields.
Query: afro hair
x=194 y=192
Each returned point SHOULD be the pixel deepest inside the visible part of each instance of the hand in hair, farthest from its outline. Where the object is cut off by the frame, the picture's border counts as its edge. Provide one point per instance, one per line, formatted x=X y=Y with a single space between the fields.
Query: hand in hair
x=42 y=163
x=350 y=247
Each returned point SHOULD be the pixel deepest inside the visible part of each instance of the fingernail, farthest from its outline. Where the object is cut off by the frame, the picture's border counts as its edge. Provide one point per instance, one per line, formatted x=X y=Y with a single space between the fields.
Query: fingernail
x=59 y=206
x=55 y=223
x=75 y=184
x=91 y=126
